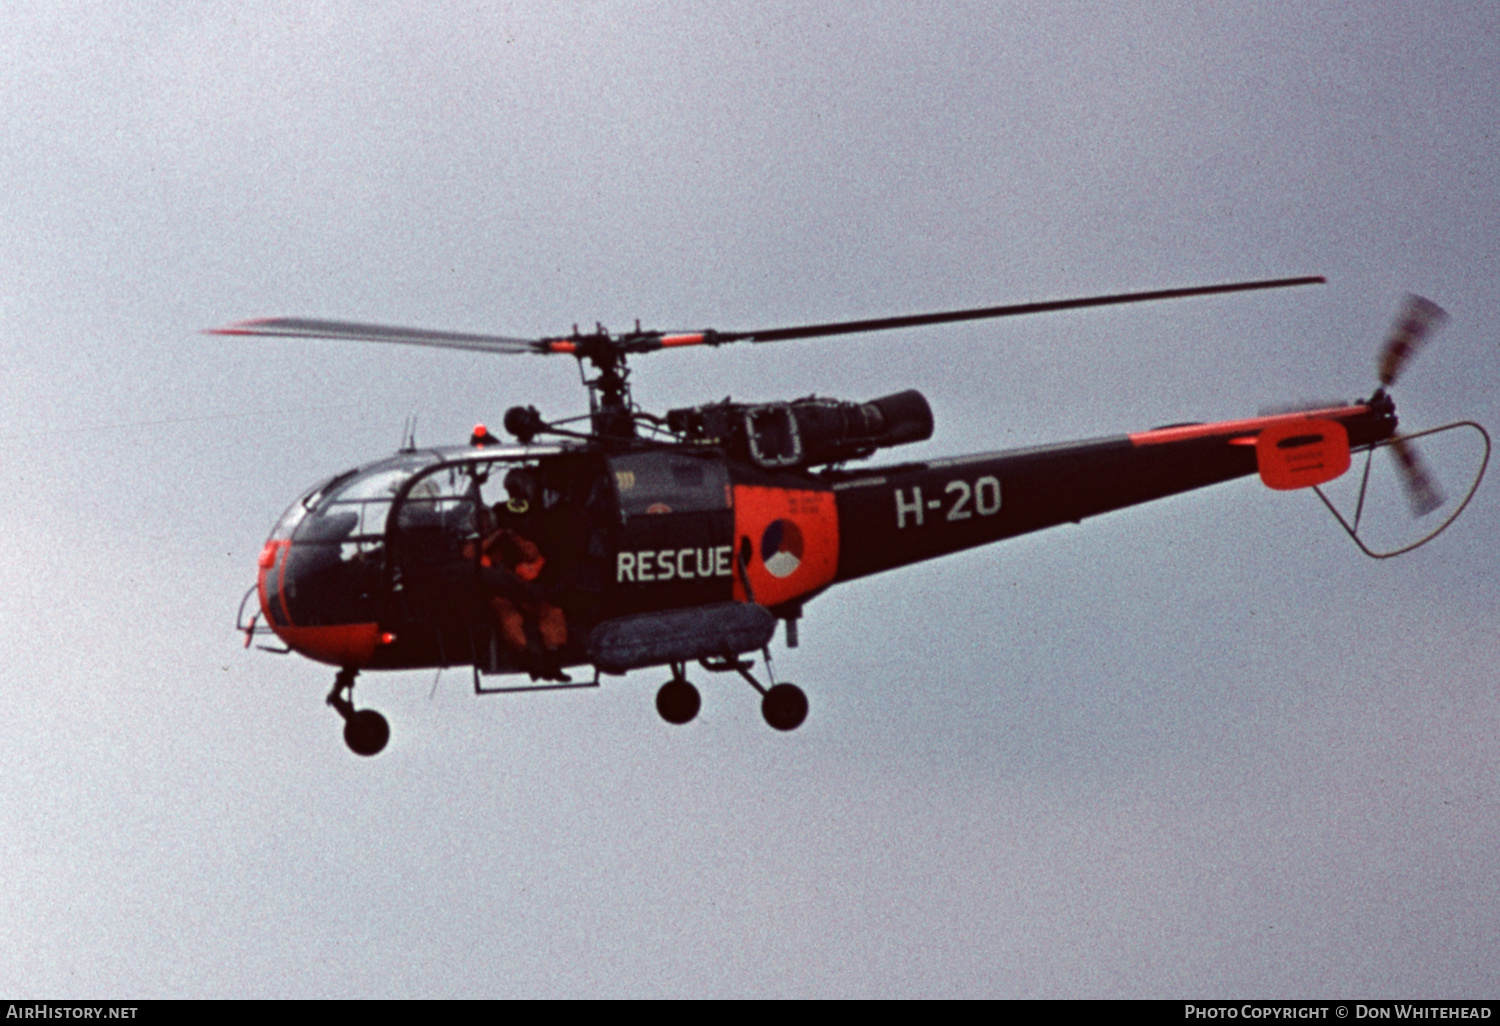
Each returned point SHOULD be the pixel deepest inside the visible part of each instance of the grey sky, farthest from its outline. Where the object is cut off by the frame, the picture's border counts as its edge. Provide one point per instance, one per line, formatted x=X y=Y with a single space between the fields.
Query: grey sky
x=1197 y=748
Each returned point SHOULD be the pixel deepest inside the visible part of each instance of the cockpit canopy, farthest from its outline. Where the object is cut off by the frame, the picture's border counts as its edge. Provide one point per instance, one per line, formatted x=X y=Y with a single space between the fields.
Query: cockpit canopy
x=354 y=505
x=329 y=559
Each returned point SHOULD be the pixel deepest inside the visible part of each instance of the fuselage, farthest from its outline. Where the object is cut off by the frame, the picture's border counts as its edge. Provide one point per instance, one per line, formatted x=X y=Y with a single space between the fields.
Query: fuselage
x=382 y=567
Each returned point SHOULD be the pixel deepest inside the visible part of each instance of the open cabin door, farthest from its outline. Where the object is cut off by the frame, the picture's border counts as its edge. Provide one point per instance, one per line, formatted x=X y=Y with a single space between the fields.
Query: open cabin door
x=448 y=561
x=432 y=536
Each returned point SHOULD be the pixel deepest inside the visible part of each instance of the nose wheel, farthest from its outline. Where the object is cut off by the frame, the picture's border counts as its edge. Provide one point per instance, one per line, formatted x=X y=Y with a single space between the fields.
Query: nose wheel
x=366 y=732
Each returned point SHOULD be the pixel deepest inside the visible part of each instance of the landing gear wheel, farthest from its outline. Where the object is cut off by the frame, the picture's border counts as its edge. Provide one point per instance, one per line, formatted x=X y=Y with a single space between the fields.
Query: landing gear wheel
x=366 y=732
x=678 y=701
x=784 y=707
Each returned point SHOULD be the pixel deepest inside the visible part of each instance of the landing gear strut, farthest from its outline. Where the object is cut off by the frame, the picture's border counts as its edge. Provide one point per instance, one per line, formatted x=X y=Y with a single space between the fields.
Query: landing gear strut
x=783 y=705
x=365 y=730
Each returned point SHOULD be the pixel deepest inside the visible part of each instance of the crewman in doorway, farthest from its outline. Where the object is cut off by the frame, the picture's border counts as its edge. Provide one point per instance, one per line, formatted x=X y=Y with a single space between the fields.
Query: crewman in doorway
x=531 y=626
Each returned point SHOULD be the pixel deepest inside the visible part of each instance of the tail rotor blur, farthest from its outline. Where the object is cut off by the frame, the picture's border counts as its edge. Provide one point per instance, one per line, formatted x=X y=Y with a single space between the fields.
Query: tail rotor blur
x=1417 y=320
x=1421 y=489
x=1414 y=326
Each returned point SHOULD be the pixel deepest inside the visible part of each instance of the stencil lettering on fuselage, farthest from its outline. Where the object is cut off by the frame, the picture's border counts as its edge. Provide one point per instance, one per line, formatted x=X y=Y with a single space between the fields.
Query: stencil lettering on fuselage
x=650 y=565
x=960 y=500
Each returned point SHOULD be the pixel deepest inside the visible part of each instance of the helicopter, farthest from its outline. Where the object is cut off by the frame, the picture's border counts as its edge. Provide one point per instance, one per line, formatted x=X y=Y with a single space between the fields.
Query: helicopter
x=638 y=540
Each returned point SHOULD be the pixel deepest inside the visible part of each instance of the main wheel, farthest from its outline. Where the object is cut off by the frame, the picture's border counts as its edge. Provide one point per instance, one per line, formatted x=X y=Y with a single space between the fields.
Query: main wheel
x=366 y=732
x=784 y=707
x=678 y=701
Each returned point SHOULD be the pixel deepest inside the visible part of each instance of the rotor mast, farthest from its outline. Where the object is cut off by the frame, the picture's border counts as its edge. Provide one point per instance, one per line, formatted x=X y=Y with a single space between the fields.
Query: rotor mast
x=610 y=412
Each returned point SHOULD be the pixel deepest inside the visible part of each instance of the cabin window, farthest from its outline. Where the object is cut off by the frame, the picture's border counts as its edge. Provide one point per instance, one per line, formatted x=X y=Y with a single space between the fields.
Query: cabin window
x=664 y=483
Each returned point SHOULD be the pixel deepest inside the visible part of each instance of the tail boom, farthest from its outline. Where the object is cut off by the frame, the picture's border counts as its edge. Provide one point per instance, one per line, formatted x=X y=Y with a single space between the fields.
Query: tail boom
x=892 y=516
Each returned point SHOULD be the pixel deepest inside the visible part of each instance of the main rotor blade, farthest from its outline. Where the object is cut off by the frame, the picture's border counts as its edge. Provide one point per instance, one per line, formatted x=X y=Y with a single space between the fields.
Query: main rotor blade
x=299 y=327
x=1016 y=310
x=1421 y=490
x=1417 y=320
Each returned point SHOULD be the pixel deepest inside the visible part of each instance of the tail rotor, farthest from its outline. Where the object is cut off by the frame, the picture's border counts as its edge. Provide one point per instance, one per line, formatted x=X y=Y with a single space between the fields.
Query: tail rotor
x=1418 y=319
x=1414 y=327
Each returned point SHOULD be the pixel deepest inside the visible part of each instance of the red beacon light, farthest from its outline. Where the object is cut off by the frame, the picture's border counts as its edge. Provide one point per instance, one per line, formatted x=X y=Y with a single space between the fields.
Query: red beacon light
x=482 y=437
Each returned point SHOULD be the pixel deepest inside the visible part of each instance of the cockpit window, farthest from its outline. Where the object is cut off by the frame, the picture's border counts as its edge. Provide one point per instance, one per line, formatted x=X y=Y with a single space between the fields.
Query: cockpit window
x=293 y=516
x=445 y=499
x=353 y=505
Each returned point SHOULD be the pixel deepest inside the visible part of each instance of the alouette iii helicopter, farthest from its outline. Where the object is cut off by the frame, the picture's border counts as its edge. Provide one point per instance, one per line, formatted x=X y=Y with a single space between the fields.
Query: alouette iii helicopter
x=647 y=541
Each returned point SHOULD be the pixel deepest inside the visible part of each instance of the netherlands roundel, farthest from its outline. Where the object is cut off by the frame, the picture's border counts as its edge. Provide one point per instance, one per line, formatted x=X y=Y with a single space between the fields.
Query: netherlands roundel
x=781 y=548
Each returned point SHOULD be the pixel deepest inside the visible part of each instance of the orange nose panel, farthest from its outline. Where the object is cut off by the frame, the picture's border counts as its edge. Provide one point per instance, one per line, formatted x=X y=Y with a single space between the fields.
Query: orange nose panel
x=349 y=644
